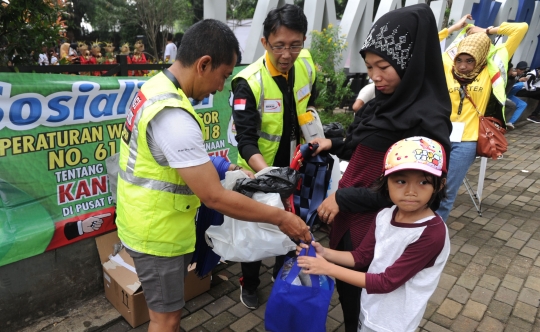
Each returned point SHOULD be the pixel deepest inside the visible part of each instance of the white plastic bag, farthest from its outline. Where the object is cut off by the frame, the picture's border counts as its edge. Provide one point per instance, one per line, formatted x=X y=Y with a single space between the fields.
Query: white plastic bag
x=242 y=241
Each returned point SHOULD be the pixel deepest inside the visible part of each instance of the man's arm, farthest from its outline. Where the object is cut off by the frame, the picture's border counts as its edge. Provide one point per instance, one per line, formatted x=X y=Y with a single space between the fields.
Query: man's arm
x=204 y=182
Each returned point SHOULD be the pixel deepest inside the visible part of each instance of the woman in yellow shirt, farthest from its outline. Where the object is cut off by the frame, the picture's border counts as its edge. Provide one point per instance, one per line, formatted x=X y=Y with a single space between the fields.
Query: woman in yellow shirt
x=466 y=69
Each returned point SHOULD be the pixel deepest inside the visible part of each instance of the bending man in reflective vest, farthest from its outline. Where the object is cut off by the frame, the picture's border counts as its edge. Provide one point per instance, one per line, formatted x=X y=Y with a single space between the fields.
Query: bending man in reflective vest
x=165 y=172
x=269 y=95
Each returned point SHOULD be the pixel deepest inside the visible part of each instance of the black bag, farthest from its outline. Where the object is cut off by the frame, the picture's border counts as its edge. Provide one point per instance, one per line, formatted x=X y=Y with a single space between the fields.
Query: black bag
x=280 y=180
x=333 y=129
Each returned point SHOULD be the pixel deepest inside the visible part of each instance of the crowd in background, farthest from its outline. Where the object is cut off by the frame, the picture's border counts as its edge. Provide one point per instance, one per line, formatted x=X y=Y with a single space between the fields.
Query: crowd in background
x=97 y=52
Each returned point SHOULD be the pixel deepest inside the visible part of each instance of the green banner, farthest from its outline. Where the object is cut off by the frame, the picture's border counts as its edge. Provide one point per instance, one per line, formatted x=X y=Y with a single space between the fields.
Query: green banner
x=56 y=131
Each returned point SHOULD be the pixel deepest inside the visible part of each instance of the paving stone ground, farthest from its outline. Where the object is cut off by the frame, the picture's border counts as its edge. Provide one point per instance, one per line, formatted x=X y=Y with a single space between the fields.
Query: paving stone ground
x=491 y=281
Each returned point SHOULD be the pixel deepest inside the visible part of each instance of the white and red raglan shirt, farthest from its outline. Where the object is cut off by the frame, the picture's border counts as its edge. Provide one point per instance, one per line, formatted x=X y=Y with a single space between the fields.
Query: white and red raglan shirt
x=405 y=264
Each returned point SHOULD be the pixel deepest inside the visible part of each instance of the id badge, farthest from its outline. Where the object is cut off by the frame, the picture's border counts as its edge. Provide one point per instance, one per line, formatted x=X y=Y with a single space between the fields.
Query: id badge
x=457 y=131
x=293 y=149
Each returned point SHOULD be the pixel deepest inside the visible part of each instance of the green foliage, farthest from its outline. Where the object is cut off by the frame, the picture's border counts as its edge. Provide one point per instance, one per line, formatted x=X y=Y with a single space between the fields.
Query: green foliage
x=26 y=25
x=327 y=48
x=345 y=118
x=240 y=9
x=121 y=20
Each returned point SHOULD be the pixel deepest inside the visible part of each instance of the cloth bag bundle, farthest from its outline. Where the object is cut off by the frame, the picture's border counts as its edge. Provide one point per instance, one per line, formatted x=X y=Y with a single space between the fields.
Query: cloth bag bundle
x=293 y=307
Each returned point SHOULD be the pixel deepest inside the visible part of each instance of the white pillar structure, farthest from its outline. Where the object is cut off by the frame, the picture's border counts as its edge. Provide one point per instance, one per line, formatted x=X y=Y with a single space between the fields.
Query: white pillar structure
x=355 y=24
x=386 y=6
x=438 y=8
x=357 y=20
x=527 y=48
x=319 y=13
x=254 y=48
x=507 y=12
x=216 y=9
x=460 y=8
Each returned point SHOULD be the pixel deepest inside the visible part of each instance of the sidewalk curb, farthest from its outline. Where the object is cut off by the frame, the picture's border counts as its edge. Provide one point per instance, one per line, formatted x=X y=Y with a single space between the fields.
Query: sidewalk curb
x=95 y=314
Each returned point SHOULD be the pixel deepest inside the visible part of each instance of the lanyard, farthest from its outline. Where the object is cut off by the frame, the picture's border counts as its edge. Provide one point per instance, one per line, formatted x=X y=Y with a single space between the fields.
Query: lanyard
x=462 y=94
x=171 y=77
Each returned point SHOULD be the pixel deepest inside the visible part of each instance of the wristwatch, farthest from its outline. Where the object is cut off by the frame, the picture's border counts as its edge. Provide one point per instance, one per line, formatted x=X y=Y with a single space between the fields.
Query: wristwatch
x=488 y=28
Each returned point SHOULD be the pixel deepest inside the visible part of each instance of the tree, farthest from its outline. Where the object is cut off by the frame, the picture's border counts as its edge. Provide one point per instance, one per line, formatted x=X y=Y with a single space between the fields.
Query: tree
x=238 y=10
x=114 y=20
x=80 y=10
x=157 y=17
x=327 y=48
x=26 y=25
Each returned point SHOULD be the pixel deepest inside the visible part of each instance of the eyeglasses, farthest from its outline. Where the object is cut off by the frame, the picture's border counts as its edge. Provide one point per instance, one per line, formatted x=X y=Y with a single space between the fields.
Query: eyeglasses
x=280 y=49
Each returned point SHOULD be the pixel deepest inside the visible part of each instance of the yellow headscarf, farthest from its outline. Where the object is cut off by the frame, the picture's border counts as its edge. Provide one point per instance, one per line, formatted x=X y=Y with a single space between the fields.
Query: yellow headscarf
x=476 y=45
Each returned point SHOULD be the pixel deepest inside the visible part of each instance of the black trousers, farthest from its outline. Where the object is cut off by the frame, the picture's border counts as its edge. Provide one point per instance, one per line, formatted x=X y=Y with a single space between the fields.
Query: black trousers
x=349 y=295
x=533 y=95
x=250 y=271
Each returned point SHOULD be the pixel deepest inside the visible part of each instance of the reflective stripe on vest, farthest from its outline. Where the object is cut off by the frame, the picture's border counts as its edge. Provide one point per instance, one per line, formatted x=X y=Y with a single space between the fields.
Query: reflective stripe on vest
x=154 y=184
x=310 y=73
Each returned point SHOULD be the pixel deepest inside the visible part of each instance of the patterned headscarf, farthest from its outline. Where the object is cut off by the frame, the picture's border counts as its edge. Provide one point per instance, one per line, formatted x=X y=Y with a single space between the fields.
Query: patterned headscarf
x=476 y=45
x=392 y=42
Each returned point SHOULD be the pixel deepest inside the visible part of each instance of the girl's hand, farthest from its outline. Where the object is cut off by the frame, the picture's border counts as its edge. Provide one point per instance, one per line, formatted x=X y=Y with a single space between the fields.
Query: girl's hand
x=314 y=265
x=301 y=246
x=324 y=144
x=328 y=209
x=319 y=249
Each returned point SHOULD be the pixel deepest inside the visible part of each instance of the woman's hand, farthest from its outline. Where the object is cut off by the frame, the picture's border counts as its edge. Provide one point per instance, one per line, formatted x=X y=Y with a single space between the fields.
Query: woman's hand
x=324 y=144
x=474 y=29
x=460 y=24
x=328 y=209
x=314 y=265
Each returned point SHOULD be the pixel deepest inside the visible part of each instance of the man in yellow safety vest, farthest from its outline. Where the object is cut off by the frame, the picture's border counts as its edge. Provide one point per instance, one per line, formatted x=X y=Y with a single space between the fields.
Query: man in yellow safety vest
x=165 y=172
x=269 y=95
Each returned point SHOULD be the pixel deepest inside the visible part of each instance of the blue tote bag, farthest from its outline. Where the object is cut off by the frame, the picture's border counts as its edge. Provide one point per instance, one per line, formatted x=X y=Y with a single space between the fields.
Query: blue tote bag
x=297 y=307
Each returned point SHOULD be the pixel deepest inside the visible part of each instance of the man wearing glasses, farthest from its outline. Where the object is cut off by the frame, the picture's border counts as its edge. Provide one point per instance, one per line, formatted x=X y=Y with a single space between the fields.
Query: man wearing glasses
x=268 y=96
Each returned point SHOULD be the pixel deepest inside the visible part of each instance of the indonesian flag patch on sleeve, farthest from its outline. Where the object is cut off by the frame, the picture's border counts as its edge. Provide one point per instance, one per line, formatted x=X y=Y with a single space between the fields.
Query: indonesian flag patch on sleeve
x=239 y=104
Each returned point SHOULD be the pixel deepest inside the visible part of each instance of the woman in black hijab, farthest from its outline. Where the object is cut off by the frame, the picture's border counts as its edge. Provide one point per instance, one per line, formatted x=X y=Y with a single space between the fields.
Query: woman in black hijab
x=403 y=58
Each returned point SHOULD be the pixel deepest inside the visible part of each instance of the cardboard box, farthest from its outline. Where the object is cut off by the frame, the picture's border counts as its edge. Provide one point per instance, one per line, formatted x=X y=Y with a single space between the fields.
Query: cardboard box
x=122 y=286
